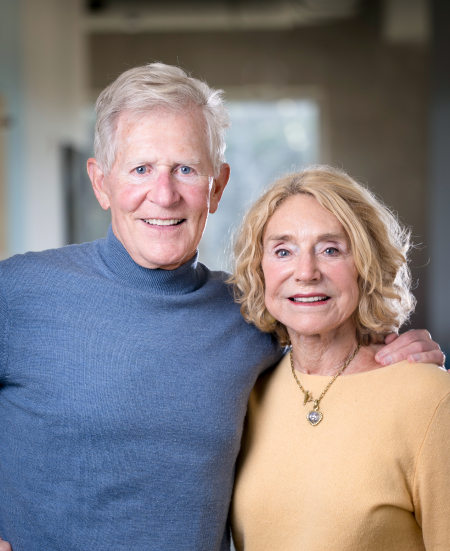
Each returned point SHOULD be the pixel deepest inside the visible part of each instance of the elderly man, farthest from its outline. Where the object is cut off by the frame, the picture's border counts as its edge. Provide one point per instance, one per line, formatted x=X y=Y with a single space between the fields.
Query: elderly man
x=125 y=366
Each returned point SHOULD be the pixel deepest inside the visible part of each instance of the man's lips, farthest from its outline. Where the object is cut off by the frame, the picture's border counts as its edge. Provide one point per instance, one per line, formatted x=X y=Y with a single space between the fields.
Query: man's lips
x=310 y=298
x=163 y=222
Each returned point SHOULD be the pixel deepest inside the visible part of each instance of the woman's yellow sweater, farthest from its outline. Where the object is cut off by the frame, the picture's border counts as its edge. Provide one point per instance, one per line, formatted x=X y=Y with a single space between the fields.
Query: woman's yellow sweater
x=374 y=475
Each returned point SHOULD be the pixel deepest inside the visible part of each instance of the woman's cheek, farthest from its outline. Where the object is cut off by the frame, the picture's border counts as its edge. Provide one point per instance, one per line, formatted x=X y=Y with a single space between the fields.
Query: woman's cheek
x=274 y=277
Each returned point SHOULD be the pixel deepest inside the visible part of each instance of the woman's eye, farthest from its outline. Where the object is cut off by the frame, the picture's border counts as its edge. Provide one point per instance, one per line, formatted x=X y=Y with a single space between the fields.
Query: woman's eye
x=329 y=251
x=282 y=253
x=141 y=169
x=185 y=170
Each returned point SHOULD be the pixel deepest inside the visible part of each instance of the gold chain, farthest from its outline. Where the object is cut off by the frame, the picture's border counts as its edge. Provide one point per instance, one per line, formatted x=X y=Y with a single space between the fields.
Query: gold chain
x=316 y=416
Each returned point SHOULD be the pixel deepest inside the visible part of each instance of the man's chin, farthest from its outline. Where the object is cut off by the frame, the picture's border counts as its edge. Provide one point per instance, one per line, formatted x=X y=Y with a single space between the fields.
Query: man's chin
x=152 y=248
x=164 y=261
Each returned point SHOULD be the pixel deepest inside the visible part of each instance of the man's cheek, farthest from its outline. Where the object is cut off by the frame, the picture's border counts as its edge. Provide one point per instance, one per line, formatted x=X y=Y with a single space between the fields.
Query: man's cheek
x=196 y=200
x=130 y=198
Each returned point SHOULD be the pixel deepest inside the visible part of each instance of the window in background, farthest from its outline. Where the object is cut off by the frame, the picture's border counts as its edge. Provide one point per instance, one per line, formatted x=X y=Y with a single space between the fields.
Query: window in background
x=266 y=139
x=85 y=219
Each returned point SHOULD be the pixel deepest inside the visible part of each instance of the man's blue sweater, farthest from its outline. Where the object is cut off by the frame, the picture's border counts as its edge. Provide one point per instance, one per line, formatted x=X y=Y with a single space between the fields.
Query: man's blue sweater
x=123 y=392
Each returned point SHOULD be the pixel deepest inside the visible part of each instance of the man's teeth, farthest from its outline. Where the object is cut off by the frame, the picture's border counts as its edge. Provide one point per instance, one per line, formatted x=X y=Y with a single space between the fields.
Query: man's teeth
x=308 y=299
x=159 y=222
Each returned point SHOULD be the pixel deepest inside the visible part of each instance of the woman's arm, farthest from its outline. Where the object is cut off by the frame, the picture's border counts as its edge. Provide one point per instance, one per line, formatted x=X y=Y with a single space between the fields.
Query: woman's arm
x=431 y=488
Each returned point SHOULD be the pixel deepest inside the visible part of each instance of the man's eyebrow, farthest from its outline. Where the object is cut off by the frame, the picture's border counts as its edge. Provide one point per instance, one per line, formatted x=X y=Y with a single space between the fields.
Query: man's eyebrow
x=193 y=161
x=141 y=162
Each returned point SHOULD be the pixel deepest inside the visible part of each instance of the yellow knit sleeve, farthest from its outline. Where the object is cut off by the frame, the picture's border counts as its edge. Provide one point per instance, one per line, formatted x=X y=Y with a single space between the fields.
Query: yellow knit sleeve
x=431 y=489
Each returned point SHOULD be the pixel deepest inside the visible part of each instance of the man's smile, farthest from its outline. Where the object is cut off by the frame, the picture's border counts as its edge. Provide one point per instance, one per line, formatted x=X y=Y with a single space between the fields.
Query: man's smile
x=163 y=222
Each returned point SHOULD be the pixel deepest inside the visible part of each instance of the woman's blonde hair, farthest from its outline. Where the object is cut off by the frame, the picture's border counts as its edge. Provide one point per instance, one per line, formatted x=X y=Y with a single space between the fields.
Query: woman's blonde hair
x=379 y=245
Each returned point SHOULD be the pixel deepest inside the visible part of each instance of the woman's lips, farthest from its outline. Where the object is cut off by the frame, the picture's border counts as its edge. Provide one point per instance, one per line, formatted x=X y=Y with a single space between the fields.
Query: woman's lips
x=310 y=299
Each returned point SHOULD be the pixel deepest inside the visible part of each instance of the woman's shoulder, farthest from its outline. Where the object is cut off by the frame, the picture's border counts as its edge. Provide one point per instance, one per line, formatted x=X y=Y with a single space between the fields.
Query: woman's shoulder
x=429 y=372
x=421 y=380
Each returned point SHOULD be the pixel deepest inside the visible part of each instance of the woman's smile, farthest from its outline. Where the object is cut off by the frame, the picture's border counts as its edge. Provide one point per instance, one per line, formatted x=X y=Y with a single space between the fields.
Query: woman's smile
x=309 y=270
x=313 y=299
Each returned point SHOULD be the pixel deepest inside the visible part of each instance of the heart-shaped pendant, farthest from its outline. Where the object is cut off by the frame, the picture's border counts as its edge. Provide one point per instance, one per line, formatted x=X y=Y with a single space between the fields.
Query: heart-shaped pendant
x=314 y=417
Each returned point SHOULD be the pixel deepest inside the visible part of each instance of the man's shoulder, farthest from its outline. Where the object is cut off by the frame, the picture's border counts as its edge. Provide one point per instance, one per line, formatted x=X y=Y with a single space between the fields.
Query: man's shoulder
x=218 y=275
x=50 y=255
x=217 y=282
x=37 y=264
x=219 y=300
x=220 y=310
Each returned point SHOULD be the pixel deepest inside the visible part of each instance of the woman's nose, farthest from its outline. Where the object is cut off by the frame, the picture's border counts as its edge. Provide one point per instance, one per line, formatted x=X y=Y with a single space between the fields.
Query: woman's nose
x=306 y=268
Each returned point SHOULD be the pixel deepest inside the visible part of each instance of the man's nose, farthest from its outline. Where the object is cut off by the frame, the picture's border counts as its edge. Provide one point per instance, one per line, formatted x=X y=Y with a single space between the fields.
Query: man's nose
x=306 y=268
x=164 y=190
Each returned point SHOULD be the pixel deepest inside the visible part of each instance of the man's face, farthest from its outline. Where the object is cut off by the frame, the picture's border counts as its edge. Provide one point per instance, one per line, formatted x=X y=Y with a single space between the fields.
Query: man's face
x=161 y=186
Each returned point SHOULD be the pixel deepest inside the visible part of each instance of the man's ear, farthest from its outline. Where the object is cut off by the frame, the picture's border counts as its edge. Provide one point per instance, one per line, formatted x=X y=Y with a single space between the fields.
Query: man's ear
x=98 y=183
x=218 y=187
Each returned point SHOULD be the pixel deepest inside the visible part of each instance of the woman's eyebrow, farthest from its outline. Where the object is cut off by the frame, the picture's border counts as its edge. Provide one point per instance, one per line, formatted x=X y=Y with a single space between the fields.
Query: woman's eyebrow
x=283 y=237
x=332 y=237
x=321 y=237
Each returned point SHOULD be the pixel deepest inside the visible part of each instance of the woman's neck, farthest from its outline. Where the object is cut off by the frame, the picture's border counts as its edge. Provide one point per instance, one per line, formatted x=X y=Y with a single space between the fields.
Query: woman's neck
x=323 y=354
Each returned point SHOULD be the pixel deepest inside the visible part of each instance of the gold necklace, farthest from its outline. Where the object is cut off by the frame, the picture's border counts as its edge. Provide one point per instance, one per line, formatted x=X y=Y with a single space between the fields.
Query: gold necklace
x=315 y=416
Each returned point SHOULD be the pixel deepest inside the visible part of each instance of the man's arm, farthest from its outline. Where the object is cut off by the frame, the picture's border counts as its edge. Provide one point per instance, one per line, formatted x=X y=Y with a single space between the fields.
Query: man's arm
x=416 y=346
x=4 y=545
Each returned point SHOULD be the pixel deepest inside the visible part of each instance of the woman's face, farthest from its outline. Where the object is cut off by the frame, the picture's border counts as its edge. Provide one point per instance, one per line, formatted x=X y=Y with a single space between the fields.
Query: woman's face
x=309 y=270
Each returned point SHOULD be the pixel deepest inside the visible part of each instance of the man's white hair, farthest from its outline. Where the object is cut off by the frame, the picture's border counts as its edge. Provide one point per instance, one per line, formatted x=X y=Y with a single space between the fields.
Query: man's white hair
x=153 y=86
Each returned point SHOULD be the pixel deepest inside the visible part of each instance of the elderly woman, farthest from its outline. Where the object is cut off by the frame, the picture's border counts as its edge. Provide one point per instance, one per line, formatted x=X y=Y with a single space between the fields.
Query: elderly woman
x=338 y=453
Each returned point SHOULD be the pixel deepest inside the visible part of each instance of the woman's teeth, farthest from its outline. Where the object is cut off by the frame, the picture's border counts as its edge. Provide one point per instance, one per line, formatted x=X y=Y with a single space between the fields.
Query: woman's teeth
x=308 y=299
x=159 y=222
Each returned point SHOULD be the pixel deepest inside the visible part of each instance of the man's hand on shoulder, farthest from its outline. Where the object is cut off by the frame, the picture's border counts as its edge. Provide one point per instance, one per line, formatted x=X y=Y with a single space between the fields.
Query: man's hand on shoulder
x=4 y=546
x=416 y=346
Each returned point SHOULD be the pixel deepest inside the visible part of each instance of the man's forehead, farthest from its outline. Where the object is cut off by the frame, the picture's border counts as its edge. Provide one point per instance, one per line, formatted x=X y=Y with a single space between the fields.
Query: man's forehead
x=173 y=140
x=128 y=119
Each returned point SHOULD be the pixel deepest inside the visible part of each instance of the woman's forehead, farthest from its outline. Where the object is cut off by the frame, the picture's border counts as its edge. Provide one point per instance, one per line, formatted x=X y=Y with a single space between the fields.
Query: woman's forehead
x=303 y=214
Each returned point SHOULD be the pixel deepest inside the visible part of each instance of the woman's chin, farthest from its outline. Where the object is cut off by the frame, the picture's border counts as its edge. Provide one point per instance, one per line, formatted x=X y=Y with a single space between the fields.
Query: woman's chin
x=309 y=331
x=319 y=328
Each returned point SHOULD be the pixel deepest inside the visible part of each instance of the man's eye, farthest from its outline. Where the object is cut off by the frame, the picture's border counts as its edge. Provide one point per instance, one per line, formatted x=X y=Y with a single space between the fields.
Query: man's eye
x=141 y=169
x=185 y=170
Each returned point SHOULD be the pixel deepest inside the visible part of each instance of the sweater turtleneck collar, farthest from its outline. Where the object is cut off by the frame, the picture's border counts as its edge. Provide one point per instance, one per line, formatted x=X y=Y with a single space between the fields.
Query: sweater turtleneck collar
x=189 y=277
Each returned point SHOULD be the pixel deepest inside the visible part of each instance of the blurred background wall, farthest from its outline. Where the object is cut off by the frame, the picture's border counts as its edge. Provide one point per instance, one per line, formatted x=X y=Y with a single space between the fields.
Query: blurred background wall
x=361 y=84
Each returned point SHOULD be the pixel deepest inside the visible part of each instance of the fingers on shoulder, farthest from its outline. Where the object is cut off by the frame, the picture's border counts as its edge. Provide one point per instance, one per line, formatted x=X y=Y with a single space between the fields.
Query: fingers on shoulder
x=436 y=357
